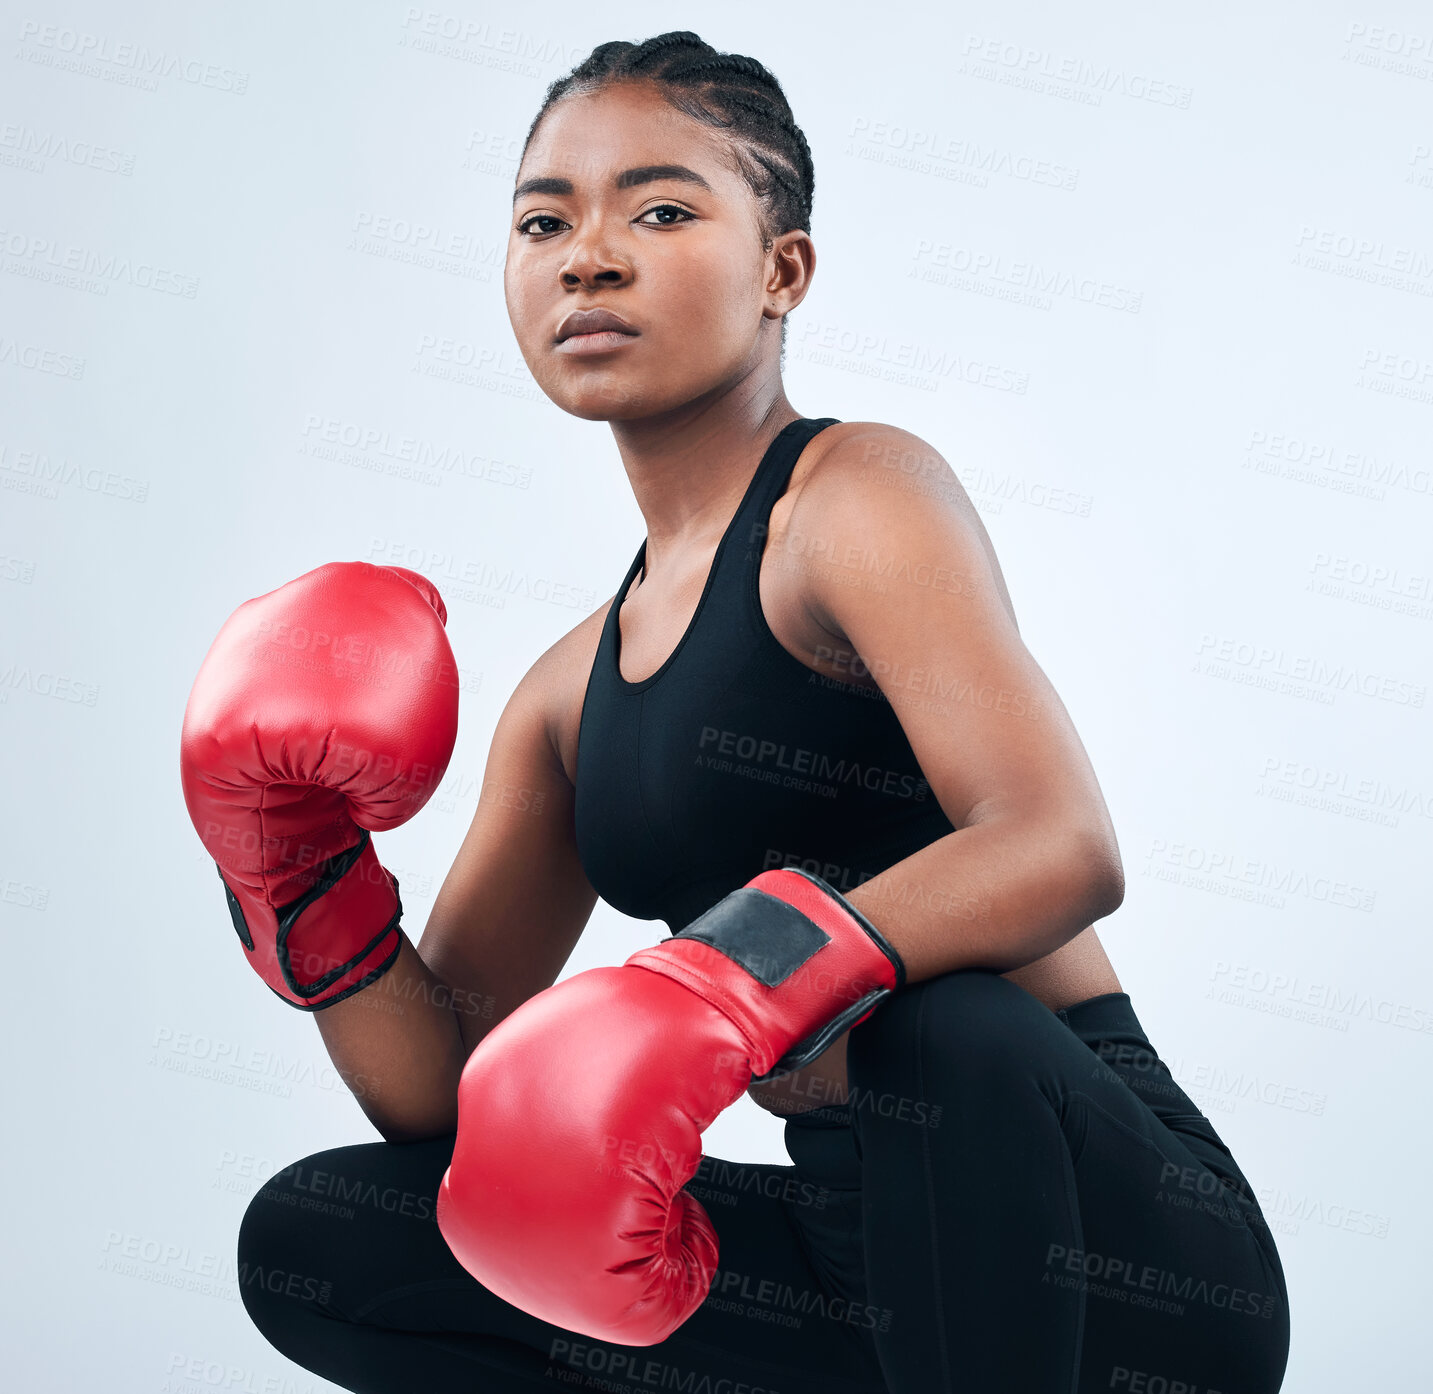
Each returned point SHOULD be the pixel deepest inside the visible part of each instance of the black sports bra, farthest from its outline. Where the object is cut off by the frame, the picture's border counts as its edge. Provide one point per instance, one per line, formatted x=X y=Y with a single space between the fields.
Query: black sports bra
x=735 y=757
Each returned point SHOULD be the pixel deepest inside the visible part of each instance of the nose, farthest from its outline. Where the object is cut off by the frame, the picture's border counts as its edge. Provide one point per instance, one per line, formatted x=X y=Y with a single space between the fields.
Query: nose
x=592 y=261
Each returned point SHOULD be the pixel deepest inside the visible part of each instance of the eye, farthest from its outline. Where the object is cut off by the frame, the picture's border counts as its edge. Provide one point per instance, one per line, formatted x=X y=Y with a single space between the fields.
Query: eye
x=683 y=216
x=537 y=218
x=668 y=208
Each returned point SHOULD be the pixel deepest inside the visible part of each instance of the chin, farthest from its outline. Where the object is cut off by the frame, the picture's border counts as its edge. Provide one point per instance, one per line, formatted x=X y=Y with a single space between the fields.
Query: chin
x=610 y=401
x=594 y=407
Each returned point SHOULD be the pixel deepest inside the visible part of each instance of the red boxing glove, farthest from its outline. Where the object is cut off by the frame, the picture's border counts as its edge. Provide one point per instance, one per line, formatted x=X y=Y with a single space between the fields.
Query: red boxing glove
x=325 y=710
x=580 y=1115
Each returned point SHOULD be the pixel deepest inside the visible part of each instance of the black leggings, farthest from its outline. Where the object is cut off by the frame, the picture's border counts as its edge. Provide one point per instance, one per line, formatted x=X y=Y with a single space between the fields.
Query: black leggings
x=1013 y=1201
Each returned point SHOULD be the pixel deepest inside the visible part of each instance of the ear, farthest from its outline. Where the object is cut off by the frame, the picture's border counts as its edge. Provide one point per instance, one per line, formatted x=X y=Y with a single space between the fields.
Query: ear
x=791 y=263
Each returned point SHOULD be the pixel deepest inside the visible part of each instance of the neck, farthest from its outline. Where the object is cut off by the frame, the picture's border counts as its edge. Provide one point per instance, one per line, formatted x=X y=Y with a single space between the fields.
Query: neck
x=688 y=468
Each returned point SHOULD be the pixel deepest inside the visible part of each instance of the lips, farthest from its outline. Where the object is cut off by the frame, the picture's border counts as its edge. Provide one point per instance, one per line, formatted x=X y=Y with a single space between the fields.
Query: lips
x=593 y=321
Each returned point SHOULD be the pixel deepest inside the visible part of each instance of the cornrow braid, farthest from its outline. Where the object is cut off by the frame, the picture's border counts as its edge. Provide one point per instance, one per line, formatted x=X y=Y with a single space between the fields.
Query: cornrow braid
x=727 y=90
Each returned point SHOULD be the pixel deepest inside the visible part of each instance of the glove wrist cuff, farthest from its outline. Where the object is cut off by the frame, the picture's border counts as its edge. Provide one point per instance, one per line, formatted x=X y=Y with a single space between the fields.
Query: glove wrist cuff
x=788 y=960
x=340 y=935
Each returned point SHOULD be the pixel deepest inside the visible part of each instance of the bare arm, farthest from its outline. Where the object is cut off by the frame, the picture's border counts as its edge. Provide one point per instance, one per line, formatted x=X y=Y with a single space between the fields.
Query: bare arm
x=513 y=905
x=1033 y=859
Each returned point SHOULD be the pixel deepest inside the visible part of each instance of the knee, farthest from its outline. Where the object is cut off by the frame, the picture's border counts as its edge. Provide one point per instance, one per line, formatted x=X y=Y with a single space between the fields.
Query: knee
x=280 y=1257
x=972 y=1023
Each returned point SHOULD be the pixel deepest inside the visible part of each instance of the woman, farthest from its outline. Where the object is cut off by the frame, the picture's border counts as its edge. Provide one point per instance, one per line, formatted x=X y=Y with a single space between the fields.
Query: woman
x=812 y=662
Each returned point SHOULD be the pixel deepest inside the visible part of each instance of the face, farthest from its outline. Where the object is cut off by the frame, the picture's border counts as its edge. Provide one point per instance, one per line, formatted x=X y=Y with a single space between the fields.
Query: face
x=677 y=256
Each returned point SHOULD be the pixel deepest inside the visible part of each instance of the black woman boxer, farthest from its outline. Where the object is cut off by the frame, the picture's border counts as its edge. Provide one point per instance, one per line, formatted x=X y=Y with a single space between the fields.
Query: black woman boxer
x=806 y=735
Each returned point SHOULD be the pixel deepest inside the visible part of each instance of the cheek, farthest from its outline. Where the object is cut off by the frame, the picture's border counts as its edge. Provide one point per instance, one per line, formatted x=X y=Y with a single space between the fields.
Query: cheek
x=525 y=311
x=513 y=291
x=736 y=318
x=724 y=295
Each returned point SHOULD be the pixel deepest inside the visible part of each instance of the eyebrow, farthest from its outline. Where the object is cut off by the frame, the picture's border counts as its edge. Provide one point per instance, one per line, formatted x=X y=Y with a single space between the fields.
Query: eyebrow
x=627 y=179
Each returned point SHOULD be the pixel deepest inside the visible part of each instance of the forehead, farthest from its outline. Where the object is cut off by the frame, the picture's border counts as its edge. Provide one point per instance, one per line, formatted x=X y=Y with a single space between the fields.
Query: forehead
x=591 y=137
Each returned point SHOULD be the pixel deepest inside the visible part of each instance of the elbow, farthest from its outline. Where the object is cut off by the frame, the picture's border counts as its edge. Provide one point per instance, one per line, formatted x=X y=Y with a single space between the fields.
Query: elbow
x=439 y=1122
x=1079 y=868
x=1094 y=863
x=1110 y=895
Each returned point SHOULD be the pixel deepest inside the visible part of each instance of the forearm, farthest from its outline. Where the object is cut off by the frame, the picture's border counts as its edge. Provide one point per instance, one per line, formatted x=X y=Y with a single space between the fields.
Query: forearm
x=398 y=1046
x=995 y=895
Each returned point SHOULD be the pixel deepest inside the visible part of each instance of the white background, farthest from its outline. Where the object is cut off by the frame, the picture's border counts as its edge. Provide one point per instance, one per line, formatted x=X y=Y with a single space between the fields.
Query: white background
x=1202 y=453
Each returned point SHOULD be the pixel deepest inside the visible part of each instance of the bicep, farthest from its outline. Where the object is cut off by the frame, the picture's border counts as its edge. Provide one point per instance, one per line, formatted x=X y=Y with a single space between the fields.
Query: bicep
x=932 y=622
x=516 y=899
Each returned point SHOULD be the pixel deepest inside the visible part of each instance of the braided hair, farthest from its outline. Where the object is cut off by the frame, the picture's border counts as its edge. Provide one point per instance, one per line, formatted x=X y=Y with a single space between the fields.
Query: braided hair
x=727 y=90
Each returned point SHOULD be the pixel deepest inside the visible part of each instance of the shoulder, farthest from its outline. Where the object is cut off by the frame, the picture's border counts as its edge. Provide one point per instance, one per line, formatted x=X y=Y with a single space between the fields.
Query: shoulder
x=870 y=464
x=860 y=458
x=877 y=495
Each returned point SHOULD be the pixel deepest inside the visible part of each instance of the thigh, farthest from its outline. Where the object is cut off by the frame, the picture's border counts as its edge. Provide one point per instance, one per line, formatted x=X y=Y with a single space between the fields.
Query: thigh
x=1179 y=1276
x=383 y=1305
x=1004 y=1154
x=787 y=1293
x=387 y=1306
